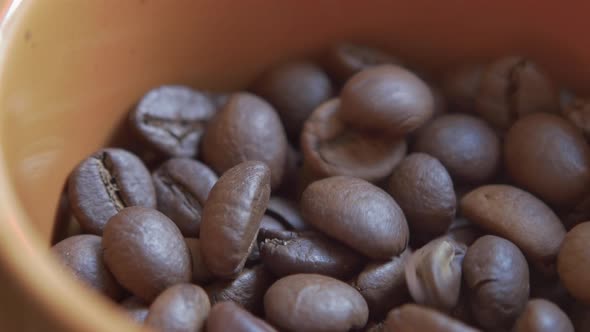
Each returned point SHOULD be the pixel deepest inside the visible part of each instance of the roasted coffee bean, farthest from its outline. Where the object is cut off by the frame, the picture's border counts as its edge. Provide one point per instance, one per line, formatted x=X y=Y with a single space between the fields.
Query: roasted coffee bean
x=295 y=89
x=549 y=157
x=81 y=256
x=247 y=128
x=383 y=284
x=512 y=87
x=543 y=316
x=247 y=289
x=346 y=59
x=182 y=186
x=573 y=262
x=145 y=251
x=358 y=214
x=462 y=231
x=331 y=147
x=228 y=316
x=415 y=318
x=284 y=253
x=104 y=184
x=386 y=98
x=312 y=302
x=465 y=145
x=423 y=188
x=497 y=277
x=286 y=212
x=180 y=308
x=171 y=120
x=519 y=217
x=201 y=274
x=460 y=86
x=136 y=308
x=231 y=217
x=433 y=274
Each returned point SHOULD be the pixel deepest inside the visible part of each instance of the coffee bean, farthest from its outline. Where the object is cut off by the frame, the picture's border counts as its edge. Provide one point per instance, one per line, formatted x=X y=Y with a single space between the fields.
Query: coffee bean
x=358 y=214
x=577 y=111
x=543 y=316
x=548 y=156
x=228 y=316
x=136 y=308
x=171 y=120
x=286 y=212
x=81 y=256
x=180 y=308
x=423 y=188
x=295 y=89
x=201 y=274
x=497 y=277
x=247 y=289
x=415 y=318
x=512 y=87
x=104 y=184
x=312 y=302
x=145 y=252
x=231 y=217
x=383 y=284
x=433 y=274
x=285 y=253
x=331 y=147
x=247 y=128
x=346 y=59
x=573 y=262
x=182 y=186
x=386 y=98
x=462 y=231
x=465 y=145
x=519 y=217
x=460 y=86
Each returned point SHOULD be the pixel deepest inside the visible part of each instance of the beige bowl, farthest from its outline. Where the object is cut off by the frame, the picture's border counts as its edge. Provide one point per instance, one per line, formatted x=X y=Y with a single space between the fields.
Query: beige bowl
x=69 y=70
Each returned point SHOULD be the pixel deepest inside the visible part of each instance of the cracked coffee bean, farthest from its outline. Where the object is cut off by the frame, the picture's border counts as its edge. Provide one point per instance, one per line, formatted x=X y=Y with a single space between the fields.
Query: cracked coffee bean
x=182 y=187
x=104 y=184
x=284 y=253
x=171 y=120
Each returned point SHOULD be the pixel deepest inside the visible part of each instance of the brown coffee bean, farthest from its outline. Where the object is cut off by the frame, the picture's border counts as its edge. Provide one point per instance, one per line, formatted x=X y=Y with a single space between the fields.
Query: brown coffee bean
x=573 y=262
x=247 y=289
x=81 y=256
x=171 y=120
x=284 y=253
x=247 y=128
x=358 y=214
x=543 y=316
x=460 y=86
x=465 y=145
x=104 y=184
x=145 y=251
x=519 y=217
x=136 y=308
x=295 y=89
x=548 y=156
x=331 y=147
x=201 y=274
x=497 y=277
x=231 y=217
x=286 y=212
x=346 y=59
x=312 y=302
x=383 y=284
x=423 y=188
x=433 y=274
x=386 y=98
x=462 y=231
x=415 y=318
x=512 y=87
x=228 y=316
x=182 y=186
x=180 y=308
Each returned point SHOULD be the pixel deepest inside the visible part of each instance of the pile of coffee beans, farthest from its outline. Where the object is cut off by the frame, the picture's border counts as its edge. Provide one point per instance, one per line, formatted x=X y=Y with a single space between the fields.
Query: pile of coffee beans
x=344 y=194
